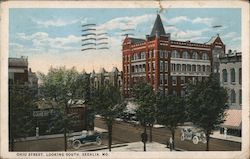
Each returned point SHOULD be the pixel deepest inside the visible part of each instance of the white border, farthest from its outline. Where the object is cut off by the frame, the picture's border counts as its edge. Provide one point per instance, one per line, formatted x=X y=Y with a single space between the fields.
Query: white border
x=244 y=153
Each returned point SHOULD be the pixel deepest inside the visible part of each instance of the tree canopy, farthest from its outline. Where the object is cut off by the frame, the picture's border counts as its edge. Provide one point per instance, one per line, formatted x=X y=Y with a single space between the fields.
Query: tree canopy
x=207 y=104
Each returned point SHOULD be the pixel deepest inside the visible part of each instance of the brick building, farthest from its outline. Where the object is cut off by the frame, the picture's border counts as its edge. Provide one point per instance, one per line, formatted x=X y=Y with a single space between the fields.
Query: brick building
x=168 y=64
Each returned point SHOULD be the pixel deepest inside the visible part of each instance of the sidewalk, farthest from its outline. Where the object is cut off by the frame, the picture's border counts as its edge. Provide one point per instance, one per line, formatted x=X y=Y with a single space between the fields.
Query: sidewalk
x=138 y=147
x=217 y=135
x=57 y=135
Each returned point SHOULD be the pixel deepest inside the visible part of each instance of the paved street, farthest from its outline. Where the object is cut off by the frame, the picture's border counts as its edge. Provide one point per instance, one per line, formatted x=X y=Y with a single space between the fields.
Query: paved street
x=125 y=132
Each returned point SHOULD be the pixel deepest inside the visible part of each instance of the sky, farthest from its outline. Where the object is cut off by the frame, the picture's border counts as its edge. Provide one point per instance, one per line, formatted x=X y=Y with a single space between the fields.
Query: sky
x=53 y=37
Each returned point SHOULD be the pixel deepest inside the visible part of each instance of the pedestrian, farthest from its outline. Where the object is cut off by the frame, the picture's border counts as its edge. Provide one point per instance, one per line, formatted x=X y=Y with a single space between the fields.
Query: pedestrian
x=171 y=143
x=167 y=144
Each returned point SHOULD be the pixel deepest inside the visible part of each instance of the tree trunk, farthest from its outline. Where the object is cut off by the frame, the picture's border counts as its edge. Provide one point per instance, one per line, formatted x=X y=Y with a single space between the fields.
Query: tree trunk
x=110 y=135
x=65 y=139
x=150 y=133
x=173 y=137
x=207 y=137
x=144 y=143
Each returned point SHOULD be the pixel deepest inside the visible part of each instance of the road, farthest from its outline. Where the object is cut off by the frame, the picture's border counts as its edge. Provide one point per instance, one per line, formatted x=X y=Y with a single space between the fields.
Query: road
x=125 y=132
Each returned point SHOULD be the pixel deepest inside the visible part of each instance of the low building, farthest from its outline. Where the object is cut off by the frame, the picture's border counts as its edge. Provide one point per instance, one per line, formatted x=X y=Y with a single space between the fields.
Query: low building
x=231 y=79
x=104 y=77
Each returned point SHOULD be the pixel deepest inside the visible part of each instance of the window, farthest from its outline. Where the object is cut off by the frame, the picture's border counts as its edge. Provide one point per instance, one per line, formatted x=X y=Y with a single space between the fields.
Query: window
x=182 y=93
x=178 y=67
x=174 y=80
x=161 y=65
x=195 y=55
x=199 y=68
x=161 y=53
x=208 y=68
x=224 y=75
x=175 y=54
x=186 y=55
x=183 y=67
x=240 y=96
x=153 y=54
x=173 y=67
x=166 y=79
x=174 y=92
x=232 y=72
x=143 y=67
x=204 y=56
x=233 y=99
x=182 y=80
x=203 y=68
x=166 y=66
x=240 y=76
x=166 y=54
x=161 y=79
x=194 y=68
x=189 y=68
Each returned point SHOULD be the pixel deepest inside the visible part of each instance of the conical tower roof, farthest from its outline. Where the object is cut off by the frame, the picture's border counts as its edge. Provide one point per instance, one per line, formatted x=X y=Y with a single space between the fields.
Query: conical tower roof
x=158 y=27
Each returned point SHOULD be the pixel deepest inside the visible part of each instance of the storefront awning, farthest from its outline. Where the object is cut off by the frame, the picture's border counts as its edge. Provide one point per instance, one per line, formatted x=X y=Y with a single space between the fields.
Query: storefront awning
x=233 y=119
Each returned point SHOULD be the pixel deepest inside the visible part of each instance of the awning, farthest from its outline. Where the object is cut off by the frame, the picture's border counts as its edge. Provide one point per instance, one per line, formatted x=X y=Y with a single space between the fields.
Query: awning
x=233 y=119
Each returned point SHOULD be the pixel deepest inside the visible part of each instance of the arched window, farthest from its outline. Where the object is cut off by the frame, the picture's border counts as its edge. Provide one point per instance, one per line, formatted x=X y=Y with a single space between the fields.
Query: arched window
x=232 y=73
x=183 y=67
x=224 y=75
x=195 y=55
x=240 y=76
x=233 y=97
x=208 y=68
x=204 y=56
x=175 y=54
x=194 y=68
x=199 y=68
x=178 y=67
x=185 y=55
x=188 y=67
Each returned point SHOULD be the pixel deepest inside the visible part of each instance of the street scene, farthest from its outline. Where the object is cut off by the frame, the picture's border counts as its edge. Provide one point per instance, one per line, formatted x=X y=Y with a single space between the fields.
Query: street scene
x=125 y=80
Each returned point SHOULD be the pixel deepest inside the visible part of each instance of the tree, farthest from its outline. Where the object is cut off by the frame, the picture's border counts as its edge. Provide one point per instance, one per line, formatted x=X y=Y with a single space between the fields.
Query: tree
x=207 y=105
x=21 y=121
x=144 y=96
x=171 y=112
x=62 y=85
x=108 y=102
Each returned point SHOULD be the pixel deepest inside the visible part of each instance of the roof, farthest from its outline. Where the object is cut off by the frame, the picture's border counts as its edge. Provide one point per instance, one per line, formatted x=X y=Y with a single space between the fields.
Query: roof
x=233 y=119
x=158 y=27
x=136 y=40
x=18 y=62
x=211 y=41
x=115 y=69
x=102 y=70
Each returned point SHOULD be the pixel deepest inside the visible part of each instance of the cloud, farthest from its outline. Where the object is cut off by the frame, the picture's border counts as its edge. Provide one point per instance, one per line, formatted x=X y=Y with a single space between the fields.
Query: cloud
x=126 y=22
x=188 y=34
x=43 y=41
x=199 y=20
x=178 y=19
x=55 y=22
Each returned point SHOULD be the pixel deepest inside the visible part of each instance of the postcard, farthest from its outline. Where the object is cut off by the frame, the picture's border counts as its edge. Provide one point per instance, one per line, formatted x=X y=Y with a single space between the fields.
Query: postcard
x=124 y=79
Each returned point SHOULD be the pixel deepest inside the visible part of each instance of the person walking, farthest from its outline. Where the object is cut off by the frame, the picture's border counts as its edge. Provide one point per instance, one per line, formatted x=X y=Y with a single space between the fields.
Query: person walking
x=171 y=143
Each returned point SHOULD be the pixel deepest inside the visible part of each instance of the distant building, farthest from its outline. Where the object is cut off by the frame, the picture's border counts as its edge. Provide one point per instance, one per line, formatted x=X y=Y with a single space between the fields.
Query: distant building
x=20 y=74
x=168 y=64
x=18 y=71
x=231 y=79
x=103 y=77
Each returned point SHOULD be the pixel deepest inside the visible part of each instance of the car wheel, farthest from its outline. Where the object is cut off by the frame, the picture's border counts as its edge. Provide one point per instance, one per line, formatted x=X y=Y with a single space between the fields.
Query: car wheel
x=182 y=137
x=195 y=140
x=98 y=141
x=76 y=144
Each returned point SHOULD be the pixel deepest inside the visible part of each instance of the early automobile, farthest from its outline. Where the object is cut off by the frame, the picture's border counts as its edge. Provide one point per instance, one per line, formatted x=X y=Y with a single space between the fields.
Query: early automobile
x=86 y=137
x=193 y=134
